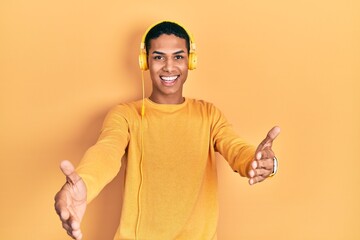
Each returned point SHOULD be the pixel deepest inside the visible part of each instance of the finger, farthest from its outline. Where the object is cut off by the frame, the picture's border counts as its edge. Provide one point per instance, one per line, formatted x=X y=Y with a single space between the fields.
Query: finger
x=70 y=234
x=75 y=225
x=73 y=220
x=256 y=179
x=265 y=164
x=61 y=206
x=66 y=226
x=68 y=169
x=72 y=228
x=273 y=133
x=75 y=228
x=258 y=154
x=251 y=172
x=265 y=154
x=261 y=172
x=63 y=213
x=80 y=237
x=270 y=137
x=77 y=234
x=254 y=164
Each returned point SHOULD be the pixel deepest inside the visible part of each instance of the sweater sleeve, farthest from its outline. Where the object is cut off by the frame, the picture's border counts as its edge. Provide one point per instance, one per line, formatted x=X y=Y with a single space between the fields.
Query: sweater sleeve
x=102 y=161
x=234 y=149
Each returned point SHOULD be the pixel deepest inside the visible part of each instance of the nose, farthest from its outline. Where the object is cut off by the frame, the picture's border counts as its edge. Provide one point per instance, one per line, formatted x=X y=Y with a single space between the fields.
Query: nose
x=168 y=65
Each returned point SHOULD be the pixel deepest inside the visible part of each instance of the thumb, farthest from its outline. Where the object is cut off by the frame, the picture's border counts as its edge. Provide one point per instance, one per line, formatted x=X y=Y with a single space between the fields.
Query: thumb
x=69 y=171
x=273 y=133
x=270 y=137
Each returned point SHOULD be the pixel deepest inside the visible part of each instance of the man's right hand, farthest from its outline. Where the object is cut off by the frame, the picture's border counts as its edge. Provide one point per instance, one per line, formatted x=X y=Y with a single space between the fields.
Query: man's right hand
x=70 y=201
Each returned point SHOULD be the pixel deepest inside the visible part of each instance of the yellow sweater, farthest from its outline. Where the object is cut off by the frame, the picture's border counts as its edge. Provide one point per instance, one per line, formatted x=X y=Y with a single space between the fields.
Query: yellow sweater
x=170 y=192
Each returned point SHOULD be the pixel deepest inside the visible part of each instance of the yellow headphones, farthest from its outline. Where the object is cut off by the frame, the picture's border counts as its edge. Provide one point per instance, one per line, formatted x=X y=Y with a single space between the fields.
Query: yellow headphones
x=143 y=56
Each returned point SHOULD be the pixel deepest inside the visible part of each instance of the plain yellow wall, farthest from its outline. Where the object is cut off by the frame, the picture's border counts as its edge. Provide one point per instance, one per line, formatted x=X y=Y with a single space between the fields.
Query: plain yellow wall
x=64 y=64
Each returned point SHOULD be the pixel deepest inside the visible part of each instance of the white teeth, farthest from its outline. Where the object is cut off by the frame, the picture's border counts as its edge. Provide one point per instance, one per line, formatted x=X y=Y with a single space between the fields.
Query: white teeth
x=172 y=78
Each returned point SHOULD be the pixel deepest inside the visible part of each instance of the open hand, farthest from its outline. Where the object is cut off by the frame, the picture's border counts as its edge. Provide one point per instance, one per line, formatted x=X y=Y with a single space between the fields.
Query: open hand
x=70 y=201
x=263 y=164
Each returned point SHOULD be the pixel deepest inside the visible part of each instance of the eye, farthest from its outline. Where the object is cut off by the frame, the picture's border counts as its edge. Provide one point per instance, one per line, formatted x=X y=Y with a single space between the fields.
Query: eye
x=158 y=57
x=178 y=57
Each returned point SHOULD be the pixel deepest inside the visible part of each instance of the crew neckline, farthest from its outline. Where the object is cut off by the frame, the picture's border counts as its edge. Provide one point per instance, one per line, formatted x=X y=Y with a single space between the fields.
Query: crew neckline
x=166 y=107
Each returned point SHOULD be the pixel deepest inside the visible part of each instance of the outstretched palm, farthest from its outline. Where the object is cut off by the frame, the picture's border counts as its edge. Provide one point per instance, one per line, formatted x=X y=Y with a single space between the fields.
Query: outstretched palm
x=263 y=164
x=70 y=201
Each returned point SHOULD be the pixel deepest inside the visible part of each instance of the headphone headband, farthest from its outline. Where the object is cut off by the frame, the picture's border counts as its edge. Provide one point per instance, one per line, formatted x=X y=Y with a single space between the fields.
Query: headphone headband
x=192 y=43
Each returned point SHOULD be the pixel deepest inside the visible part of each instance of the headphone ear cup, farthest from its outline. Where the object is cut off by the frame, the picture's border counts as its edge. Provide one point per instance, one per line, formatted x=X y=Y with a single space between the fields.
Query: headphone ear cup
x=192 y=61
x=143 y=61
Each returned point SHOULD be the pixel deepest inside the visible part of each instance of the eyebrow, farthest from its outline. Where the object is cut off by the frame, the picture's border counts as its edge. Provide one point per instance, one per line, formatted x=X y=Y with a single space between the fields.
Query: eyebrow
x=161 y=53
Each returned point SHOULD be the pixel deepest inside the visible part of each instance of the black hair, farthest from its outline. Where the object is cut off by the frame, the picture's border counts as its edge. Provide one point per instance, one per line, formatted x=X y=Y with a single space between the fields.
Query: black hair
x=166 y=28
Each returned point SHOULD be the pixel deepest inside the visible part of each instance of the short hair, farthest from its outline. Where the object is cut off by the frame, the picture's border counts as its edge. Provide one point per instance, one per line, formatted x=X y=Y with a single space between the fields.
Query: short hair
x=166 y=28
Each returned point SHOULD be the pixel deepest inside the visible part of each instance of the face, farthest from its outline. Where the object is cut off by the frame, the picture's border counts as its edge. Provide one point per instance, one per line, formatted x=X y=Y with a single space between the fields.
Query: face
x=168 y=65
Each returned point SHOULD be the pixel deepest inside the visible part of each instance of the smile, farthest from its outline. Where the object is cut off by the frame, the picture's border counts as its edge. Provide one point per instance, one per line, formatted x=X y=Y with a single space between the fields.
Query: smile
x=169 y=78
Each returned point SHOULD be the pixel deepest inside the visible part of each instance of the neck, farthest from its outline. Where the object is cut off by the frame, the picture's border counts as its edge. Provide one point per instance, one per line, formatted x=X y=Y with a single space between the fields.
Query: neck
x=166 y=100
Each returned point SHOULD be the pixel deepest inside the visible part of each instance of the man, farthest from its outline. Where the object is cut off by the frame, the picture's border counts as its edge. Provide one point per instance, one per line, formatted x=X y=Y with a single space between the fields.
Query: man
x=170 y=142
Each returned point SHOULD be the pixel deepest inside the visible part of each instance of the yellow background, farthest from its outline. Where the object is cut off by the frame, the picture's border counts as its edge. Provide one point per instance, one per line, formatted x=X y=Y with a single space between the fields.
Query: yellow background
x=296 y=64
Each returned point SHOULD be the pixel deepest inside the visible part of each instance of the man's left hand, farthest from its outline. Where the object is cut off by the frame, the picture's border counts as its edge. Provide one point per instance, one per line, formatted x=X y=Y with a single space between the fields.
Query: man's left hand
x=263 y=164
